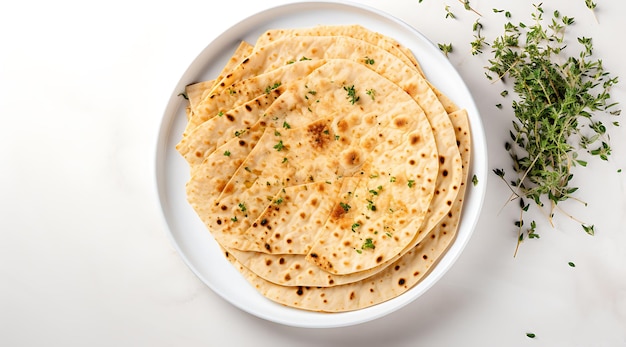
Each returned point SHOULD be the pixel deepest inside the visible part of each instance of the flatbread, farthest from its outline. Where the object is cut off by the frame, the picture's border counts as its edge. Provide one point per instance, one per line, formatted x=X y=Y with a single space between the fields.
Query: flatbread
x=369 y=141
x=353 y=31
x=394 y=280
x=285 y=50
x=324 y=163
x=236 y=108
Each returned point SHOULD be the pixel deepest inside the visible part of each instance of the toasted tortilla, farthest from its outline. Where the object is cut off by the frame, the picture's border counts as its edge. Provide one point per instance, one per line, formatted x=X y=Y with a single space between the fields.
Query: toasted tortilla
x=394 y=280
x=368 y=141
x=305 y=186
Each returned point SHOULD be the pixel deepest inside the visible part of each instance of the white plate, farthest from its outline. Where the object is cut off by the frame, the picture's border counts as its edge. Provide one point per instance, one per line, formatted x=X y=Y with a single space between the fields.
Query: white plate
x=195 y=244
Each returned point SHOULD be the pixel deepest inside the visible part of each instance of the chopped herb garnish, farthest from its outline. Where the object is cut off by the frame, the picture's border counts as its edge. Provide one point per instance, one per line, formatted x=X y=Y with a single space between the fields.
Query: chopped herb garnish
x=286 y=125
x=285 y=160
x=239 y=132
x=337 y=137
x=475 y=180
x=369 y=61
x=345 y=206
x=276 y=133
x=370 y=205
x=571 y=264
x=368 y=244
x=531 y=335
x=268 y=89
x=227 y=153
x=242 y=207
x=392 y=179
x=388 y=234
x=351 y=94
x=359 y=251
x=234 y=219
x=304 y=58
x=373 y=192
x=279 y=146
x=371 y=93
x=411 y=183
x=589 y=229
x=220 y=113
x=354 y=226
x=278 y=201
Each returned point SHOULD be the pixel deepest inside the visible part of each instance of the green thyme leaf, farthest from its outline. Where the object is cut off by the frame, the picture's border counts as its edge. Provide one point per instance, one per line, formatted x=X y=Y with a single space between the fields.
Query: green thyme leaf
x=268 y=89
x=369 y=244
x=557 y=97
x=279 y=146
x=475 y=180
x=449 y=13
x=445 y=48
x=352 y=97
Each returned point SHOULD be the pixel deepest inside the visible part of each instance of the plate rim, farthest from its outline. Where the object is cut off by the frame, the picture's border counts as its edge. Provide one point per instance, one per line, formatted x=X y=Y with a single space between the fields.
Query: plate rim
x=351 y=317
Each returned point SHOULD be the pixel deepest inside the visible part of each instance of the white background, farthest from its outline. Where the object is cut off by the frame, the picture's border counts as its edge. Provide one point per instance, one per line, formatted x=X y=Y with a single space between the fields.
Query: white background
x=85 y=257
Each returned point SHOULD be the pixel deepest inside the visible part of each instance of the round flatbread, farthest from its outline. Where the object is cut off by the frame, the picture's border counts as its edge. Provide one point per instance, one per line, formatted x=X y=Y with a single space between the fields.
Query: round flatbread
x=394 y=280
x=382 y=154
x=322 y=158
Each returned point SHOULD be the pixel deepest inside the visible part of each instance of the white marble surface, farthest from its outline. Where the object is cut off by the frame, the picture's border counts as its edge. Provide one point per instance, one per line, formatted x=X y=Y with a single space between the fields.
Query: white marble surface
x=85 y=259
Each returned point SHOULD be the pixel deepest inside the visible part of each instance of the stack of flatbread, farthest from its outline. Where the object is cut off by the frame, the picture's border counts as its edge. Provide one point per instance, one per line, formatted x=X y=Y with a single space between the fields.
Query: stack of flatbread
x=329 y=170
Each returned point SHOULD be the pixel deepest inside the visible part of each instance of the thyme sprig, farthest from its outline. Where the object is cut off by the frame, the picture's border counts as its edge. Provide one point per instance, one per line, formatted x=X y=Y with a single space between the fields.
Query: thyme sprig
x=558 y=96
x=592 y=7
x=468 y=7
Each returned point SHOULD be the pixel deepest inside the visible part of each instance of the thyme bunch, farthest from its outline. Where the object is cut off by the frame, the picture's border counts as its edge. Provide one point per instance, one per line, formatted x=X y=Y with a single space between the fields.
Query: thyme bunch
x=558 y=96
